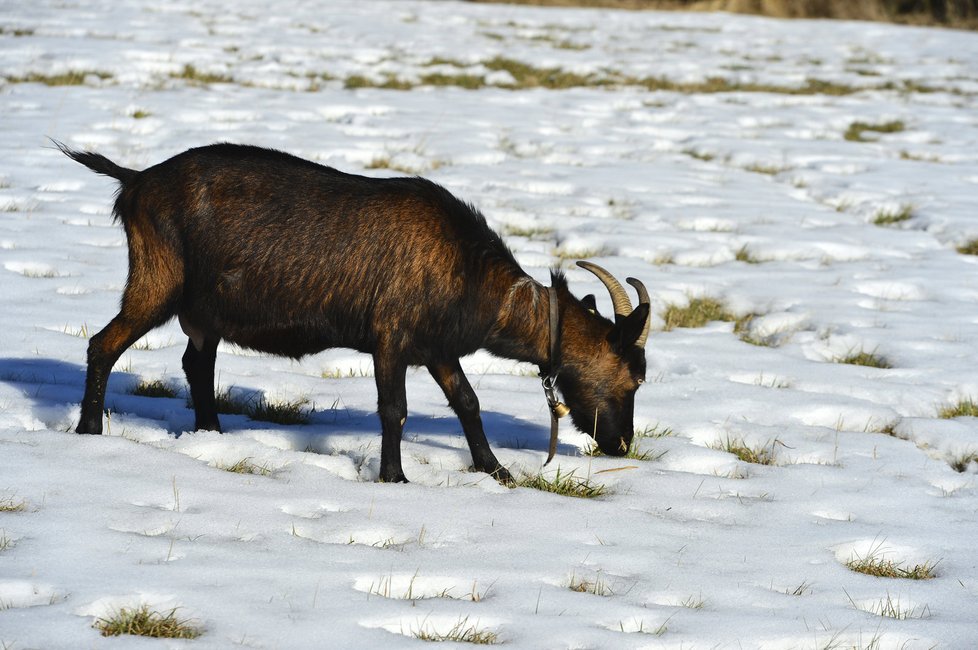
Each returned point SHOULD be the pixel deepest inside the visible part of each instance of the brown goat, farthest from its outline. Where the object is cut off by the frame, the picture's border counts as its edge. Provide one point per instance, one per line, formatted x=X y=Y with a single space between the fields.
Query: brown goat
x=285 y=256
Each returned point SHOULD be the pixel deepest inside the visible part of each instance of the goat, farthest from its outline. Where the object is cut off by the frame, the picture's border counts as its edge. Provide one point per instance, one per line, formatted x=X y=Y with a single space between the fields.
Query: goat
x=285 y=256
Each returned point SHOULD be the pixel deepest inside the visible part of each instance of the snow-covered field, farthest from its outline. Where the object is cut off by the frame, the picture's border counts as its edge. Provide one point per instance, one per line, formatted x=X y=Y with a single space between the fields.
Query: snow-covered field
x=752 y=197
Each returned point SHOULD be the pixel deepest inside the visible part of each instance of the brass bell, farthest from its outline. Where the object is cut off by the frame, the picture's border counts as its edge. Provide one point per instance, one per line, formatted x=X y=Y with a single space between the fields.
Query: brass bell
x=561 y=409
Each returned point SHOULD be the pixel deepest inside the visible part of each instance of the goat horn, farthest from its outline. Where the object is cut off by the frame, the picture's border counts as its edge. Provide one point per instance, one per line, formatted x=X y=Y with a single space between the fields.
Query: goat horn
x=619 y=298
x=643 y=299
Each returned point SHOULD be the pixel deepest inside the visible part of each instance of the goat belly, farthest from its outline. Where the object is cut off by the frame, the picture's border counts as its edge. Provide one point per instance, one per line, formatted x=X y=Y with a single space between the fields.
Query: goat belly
x=295 y=341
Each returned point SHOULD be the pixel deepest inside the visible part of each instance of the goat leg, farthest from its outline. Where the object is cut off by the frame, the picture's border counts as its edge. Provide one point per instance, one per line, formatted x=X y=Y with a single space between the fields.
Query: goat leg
x=198 y=364
x=390 y=376
x=465 y=403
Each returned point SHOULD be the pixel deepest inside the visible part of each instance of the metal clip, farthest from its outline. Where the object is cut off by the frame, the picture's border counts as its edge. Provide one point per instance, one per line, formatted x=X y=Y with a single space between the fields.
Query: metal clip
x=558 y=408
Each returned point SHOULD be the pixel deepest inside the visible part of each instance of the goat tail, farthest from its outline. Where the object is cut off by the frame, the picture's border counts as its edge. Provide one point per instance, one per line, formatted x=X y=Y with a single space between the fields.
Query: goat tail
x=98 y=163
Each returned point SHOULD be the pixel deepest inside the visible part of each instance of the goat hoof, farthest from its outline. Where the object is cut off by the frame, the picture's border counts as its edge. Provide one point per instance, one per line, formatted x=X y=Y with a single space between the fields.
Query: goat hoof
x=89 y=428
x=502 y=475
x=396 y=478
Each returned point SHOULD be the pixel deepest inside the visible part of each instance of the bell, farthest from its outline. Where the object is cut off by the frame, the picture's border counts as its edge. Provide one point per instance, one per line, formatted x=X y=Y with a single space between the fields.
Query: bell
x=561 y=409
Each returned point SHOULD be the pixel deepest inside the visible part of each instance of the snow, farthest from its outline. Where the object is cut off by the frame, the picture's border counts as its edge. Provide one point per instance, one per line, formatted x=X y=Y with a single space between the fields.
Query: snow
x=693 y=547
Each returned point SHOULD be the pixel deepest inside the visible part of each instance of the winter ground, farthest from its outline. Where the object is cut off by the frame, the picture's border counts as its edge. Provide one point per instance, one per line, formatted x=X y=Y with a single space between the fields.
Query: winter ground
x=752 y=196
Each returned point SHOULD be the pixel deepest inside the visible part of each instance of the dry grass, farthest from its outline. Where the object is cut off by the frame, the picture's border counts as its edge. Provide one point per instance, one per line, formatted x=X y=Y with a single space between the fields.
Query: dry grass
x=968 y=248
x=596 y=587
x=862 y=358
x=10 y=504
x=939 y=12
x=246 y=466
x=145 y=622
x=963 y=407
x=195 y=76
x=763 y=455
x=530 y=232
x=893 y=608
x=743 y=329
x=461 y=632
x=70 y=78
x=526 y=76
x=963 y=462
x=743 y=254
x=697 y=313
x=877 y=566
x=857 y=130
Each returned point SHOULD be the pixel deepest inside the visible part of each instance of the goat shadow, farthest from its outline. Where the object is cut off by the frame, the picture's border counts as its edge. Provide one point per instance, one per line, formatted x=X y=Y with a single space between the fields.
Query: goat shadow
x=55 y=389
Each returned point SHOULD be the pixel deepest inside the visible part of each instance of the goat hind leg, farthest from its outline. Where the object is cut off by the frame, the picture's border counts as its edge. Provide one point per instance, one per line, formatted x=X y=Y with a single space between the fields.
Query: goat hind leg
x=155 y=279
x=104 y=349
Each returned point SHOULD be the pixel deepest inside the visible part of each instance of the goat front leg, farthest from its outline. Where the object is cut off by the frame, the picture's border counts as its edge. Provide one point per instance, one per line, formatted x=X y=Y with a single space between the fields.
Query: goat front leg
x=465 y=403
x=198 y=364
x=392 y=407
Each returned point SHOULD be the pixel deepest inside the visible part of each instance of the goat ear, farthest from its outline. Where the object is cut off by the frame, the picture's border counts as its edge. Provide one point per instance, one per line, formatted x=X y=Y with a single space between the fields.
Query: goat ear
x=590 y=303
x=628 y=329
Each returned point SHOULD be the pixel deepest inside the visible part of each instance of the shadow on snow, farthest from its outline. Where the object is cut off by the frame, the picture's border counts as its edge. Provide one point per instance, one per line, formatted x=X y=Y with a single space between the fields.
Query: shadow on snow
x=55 y=389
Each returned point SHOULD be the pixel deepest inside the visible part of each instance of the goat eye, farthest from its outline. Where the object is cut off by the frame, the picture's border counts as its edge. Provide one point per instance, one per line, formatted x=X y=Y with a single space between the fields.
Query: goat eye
x=641 y=381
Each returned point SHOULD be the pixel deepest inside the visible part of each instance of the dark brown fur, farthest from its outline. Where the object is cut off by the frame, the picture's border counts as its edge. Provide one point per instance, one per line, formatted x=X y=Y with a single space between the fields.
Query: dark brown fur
x=285 y=256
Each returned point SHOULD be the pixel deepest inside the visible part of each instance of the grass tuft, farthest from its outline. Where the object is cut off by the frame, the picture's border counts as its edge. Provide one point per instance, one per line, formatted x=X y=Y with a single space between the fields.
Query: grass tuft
x=873 y=564
x=257 y=407
x=705 y=156
x=693 y=602
x=458 y=80
x=804 y=588
x=763 y=455
x=857 y=130
x=863 y=358
x=640 y=628
x=968 y=248
x=389 y=82
x=654 y=431
x=461 y=632
x=70 y=78
x=964 y=407
x=742 y=328
x=280 y=412
x=886 y=217
x=650 y=431
x=697 y=313
x=743 y=254
x=145 y=622
x=10 y=504
x=245 y=466
x=564 y=485
x=768 y=170
x=526 y=75
x=193 y=75
x=154 y=388
x=962 y=463
x=530 y=232
x=891 y=608
x=596 y=587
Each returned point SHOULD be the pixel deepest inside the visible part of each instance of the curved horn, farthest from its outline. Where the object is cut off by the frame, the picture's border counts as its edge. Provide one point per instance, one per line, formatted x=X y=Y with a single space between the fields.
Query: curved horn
x=643 y=299
x=620 y=299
